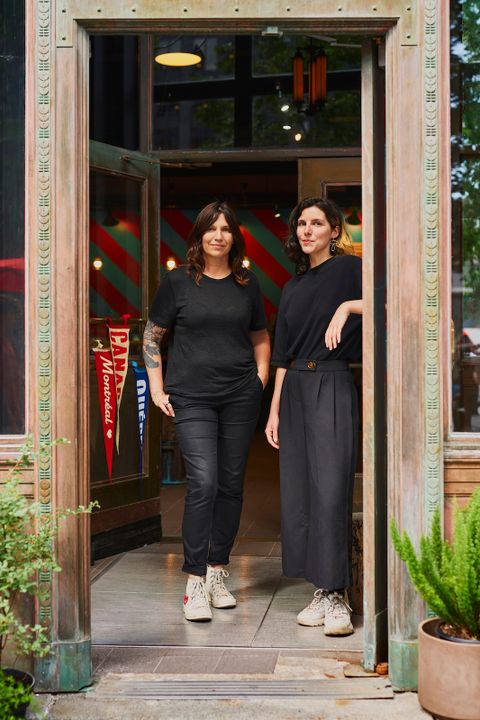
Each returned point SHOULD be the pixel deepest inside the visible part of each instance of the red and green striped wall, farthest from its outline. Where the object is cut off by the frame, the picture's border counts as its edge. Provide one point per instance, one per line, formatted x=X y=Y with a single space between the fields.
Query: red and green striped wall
x=115 y=288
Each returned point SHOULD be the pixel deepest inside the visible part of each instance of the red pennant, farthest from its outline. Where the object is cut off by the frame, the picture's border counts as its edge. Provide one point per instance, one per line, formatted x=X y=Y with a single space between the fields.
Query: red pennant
x=119 y=343
x=108 y=400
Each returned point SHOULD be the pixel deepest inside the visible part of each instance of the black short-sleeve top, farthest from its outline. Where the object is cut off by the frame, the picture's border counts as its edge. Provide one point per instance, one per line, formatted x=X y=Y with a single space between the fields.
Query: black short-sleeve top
x=307 y=305
x=210 y=351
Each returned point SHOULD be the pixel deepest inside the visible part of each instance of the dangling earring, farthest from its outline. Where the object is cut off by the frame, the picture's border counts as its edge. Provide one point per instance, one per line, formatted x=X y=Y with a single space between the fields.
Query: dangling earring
x=333 y=246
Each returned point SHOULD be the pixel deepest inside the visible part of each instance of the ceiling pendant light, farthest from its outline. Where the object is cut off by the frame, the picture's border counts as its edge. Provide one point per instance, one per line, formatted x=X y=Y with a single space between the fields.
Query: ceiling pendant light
x=180 y=59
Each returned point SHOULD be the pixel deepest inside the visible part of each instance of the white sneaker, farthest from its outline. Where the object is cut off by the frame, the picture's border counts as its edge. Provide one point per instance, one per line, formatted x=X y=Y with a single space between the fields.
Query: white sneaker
x=195 y=603
x=217 y=593
x=314 y=613
x=338 y=614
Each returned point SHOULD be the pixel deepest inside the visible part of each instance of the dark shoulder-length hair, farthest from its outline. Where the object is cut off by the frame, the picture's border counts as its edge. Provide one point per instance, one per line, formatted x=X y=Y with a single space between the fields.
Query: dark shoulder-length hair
x=205 y=218
x=343 y=242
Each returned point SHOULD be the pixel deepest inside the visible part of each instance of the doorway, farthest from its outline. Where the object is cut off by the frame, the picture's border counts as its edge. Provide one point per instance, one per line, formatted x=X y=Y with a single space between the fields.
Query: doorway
x=263 y=188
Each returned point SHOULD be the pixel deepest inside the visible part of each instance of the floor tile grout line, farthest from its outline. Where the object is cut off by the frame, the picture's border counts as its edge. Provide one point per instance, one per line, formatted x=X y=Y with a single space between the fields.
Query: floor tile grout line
x=266 y=611
x=108 y=567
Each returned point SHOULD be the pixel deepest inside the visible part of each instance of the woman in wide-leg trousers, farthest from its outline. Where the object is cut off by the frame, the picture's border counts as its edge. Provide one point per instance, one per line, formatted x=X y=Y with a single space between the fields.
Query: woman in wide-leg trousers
x=319 y=416
x=313 y=419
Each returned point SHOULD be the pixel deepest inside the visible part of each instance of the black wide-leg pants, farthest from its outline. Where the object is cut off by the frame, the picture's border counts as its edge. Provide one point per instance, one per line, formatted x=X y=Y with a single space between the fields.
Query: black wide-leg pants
x=318 y=449
x=214 y=437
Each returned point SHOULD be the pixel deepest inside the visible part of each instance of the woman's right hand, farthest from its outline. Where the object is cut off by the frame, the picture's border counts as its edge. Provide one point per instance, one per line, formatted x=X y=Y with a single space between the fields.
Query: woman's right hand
x=162 y=400
x=271 y=429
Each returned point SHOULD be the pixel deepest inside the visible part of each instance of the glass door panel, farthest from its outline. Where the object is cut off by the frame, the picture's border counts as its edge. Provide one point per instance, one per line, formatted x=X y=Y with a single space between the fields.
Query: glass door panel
x=124 y=258
x=116 y=238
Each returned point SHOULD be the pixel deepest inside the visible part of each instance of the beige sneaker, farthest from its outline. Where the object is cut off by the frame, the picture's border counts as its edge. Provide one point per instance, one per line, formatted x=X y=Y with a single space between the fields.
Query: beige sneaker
x=314 y=613
x=217 y=593
x=338 y=614
x=195 y=603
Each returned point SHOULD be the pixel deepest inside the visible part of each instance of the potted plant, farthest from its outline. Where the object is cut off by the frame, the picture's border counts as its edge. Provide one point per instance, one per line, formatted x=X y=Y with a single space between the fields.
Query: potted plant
x=447 y=576
x=27 y=546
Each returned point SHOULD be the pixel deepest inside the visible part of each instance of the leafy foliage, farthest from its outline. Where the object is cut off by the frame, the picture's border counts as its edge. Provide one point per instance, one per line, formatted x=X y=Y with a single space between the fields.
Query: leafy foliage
x=447 y=574
x=13 y=695
x=27 y=536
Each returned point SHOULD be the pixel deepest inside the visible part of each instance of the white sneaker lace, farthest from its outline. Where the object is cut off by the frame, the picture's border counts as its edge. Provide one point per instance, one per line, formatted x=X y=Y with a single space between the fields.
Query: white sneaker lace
x=217 y=581
x=198 y=594
x=338 y=605
x=318 y=597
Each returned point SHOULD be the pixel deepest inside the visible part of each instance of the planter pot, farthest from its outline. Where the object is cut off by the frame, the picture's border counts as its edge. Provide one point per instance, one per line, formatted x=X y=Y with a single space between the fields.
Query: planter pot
x=27 y=679
x=448 y=675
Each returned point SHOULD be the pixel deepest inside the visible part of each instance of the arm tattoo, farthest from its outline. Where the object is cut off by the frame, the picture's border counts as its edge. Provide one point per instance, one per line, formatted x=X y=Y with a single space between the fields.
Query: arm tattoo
x=152 y=337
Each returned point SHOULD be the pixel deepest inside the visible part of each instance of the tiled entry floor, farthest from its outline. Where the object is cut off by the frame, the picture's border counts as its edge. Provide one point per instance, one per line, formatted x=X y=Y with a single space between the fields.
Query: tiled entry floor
x=137 y=601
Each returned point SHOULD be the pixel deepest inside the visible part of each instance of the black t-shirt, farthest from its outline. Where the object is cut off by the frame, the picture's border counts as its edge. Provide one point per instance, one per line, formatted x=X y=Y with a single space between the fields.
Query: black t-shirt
x=210 y=352
x=307 y=305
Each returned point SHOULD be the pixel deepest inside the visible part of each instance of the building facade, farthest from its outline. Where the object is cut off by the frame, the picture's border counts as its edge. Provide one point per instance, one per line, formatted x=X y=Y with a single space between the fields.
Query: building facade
x=421 y=440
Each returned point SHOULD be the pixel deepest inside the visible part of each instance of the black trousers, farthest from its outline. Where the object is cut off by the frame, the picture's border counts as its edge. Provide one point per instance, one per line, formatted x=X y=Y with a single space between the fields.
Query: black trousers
x=318 y=450
x=214 y=437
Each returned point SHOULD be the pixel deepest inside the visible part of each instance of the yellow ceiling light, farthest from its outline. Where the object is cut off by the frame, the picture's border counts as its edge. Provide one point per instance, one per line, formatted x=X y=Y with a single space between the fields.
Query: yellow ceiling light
x=179 y=59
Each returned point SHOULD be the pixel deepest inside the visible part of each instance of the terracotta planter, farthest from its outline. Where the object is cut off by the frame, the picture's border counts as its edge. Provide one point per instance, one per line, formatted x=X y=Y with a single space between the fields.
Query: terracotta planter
x=448 y=675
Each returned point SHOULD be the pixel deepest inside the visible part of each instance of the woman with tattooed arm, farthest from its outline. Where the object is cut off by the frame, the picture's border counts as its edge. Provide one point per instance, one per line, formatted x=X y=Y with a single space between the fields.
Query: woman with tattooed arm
x=218 y=362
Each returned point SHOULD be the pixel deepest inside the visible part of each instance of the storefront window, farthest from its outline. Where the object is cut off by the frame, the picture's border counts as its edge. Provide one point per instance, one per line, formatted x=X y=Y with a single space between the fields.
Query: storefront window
x=114 y=90
x=240 y=94
x=465 y=104
x=12 y=212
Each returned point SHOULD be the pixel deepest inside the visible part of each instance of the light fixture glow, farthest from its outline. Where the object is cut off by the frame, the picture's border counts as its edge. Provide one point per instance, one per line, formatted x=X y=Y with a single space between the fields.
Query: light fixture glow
x=179 y=59
x=246 y=263
x=285 y=108
x=97 y=263
x=287 y=127
x=298 y=136
x=171 y=264
x=277 y=214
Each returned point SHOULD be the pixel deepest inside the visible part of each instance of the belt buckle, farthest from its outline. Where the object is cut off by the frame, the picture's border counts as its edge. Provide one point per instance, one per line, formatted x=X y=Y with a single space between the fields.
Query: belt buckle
x=311 y=365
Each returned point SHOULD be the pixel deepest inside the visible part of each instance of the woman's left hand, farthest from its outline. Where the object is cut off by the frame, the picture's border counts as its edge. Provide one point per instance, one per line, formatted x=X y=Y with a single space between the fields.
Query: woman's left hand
x=333 y=334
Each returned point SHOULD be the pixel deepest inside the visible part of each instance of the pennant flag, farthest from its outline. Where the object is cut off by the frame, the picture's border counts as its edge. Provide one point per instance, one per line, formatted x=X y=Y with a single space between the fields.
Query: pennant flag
x=108 y=399
x=119 y=343
x=142 y=403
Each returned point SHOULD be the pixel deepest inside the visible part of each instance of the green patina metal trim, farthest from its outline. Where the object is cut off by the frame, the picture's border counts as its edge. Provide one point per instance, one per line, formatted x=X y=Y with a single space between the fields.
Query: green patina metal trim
x=403 y=664
x=68 y=668
x=433 y=455
x=43 y=50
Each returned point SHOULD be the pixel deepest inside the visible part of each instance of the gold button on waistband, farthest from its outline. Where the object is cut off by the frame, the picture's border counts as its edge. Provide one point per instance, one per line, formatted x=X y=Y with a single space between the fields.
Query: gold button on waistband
x=311 y=364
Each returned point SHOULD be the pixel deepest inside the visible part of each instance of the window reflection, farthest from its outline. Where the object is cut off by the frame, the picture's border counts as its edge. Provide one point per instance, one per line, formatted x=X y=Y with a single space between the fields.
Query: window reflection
x=240 y=95
x=465 y=103
x=12 y=202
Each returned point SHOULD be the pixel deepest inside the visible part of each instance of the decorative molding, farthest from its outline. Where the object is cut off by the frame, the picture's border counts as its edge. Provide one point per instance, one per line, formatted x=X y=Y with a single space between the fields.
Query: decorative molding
x=44 y=276
x=175 y=14
x=433 y=462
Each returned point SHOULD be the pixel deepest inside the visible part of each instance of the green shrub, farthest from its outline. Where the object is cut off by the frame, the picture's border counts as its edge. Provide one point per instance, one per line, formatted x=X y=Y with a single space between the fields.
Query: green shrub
x=447 y=574
x=27 y=536
x=13 y=694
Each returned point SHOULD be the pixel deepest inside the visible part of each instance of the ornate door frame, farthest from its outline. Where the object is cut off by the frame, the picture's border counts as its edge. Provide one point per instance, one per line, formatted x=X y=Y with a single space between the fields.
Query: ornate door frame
x=416 y=36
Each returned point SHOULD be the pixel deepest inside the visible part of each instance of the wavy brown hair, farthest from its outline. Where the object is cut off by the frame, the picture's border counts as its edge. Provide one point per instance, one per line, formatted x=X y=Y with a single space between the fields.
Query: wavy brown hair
x=205 y=218
x=335 y=218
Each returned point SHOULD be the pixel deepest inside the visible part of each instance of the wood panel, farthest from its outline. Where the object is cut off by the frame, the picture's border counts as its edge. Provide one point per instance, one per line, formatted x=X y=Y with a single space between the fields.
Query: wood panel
x=406 y=361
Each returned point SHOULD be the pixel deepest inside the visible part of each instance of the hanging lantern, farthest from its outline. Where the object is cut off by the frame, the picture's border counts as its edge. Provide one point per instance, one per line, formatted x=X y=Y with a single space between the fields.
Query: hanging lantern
x=320 y=73
x=298 y=81
x=317 y=81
